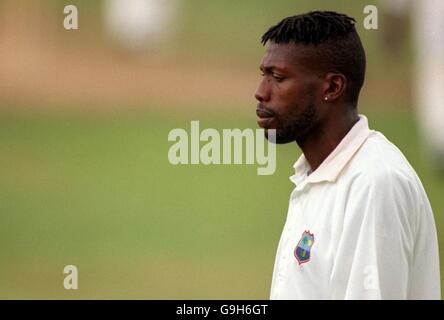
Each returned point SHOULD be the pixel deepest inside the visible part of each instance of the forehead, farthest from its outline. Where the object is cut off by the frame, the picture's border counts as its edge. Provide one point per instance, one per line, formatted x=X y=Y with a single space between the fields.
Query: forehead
x=287 y=56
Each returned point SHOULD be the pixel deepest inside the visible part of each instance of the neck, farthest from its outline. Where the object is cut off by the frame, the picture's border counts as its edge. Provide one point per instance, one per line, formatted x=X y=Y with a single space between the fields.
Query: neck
x=323 y=139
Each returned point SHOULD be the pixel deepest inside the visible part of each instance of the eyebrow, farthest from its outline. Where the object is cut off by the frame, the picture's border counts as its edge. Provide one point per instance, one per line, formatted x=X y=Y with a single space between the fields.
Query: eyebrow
x=271 y=68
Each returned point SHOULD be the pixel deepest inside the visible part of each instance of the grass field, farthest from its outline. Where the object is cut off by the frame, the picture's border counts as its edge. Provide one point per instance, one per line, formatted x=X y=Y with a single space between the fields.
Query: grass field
x=99 y=193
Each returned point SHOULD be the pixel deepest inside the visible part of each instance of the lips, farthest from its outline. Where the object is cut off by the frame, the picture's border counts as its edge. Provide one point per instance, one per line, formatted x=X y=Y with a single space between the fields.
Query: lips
x=264 y=117
x=262 y=113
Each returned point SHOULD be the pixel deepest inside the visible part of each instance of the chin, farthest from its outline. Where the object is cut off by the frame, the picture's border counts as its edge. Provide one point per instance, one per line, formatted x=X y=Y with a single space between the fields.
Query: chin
x=279 y=138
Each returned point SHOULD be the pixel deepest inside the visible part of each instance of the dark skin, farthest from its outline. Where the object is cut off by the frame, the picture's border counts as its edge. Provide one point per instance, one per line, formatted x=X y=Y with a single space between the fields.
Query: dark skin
x=303 y=102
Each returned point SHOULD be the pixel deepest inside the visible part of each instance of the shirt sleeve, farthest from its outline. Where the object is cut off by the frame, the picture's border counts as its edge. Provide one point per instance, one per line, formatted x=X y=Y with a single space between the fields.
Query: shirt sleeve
x=375 y=254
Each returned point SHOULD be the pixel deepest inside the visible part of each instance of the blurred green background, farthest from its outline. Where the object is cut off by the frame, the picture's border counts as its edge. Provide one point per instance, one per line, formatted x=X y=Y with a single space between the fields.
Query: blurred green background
x=84 y=173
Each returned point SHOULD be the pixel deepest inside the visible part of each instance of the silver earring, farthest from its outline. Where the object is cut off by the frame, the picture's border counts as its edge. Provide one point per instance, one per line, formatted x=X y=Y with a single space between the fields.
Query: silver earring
x=326 y=98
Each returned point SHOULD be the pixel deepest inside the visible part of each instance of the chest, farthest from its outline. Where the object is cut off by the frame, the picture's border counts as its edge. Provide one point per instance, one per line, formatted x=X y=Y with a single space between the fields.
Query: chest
x=310 y=236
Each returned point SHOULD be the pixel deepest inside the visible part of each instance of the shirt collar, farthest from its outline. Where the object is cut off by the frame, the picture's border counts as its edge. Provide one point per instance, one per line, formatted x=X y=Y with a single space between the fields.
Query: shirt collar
x=332 y=166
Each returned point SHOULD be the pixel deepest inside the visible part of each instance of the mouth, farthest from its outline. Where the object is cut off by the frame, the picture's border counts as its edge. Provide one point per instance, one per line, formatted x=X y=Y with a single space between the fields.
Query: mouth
x=264 y=118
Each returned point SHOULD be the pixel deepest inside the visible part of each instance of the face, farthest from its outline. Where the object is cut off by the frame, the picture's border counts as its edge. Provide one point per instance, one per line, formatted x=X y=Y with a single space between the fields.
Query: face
x=288 y=93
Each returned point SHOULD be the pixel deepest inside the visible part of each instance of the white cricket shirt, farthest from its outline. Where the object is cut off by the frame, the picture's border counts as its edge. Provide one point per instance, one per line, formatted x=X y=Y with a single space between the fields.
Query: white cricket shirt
x=359 y=227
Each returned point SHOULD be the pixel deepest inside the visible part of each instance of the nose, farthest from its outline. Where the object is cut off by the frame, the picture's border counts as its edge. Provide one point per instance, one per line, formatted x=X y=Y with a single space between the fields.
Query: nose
x=263 y=92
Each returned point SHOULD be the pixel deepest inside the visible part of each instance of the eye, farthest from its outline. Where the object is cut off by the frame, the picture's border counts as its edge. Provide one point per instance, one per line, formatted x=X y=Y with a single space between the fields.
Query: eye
x=278 y=78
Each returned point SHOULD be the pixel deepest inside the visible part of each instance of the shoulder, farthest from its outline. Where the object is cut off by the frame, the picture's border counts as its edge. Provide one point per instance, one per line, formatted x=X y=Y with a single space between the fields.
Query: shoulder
x=380 y=179
x=380 y=164
x=380 y=185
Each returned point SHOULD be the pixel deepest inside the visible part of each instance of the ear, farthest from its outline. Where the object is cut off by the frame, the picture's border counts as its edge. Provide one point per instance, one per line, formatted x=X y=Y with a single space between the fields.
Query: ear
x=334 y=86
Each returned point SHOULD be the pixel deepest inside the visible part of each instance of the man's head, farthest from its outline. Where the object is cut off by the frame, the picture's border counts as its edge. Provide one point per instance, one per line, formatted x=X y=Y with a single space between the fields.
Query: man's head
x=313 y=70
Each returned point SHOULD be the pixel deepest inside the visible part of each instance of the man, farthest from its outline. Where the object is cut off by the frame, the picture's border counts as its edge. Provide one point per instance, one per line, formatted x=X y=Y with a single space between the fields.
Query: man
x=359 y=224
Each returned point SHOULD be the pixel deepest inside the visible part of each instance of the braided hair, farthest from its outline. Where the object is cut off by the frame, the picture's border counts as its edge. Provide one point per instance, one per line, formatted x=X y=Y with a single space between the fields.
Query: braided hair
x=311 y=28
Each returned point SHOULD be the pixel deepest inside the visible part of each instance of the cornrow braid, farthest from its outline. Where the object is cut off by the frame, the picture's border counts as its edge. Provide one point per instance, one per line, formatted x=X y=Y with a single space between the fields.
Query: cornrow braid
x=314 y=28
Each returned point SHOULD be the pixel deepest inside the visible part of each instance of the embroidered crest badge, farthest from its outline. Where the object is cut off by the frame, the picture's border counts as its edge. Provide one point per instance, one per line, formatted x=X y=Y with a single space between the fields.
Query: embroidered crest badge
x=302 y=251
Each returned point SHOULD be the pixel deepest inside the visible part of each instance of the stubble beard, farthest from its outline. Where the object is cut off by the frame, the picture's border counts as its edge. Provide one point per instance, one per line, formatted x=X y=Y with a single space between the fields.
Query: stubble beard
x=294 y=128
